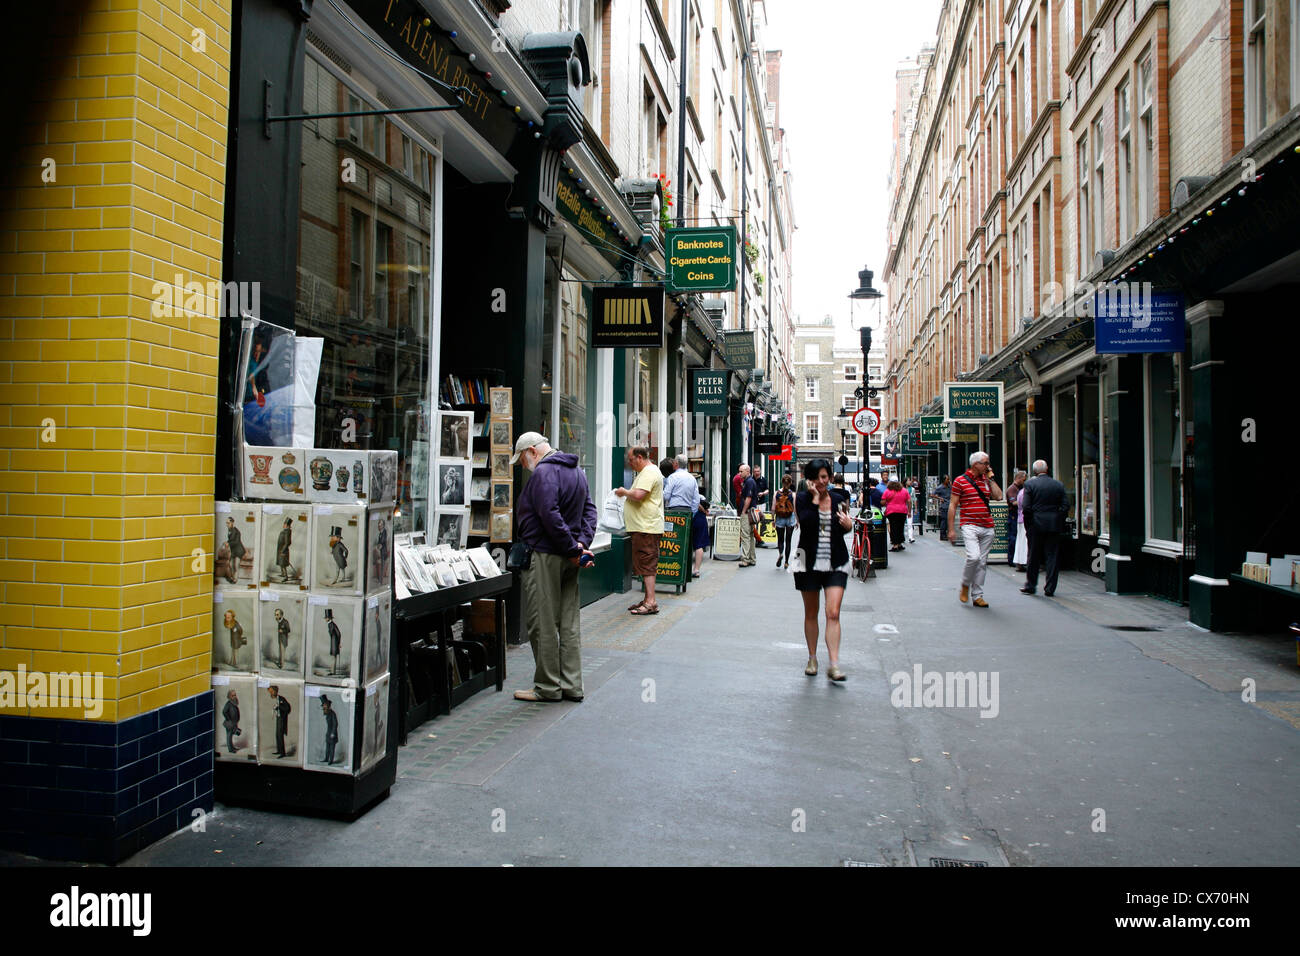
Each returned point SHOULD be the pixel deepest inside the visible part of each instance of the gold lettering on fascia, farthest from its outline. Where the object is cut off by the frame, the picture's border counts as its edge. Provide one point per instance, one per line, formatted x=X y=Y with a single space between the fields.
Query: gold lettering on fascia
x=424 y=46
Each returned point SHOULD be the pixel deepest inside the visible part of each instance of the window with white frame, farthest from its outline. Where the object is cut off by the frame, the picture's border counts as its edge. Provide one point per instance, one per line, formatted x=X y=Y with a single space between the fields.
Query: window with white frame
x=849 y=403
x=1085 y=207
x=1146 y=193
x=850 y=372
x=1256 y=68
x=1098 y=185
x=875 y=372
x=1124 y=169
x=812 y=428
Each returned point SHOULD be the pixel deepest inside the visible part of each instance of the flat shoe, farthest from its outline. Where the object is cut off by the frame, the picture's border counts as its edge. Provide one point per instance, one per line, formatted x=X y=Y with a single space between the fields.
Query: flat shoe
x=576 y=700
x=835 y=673
x=531 y=697
x=811 y=669
x=980 y=602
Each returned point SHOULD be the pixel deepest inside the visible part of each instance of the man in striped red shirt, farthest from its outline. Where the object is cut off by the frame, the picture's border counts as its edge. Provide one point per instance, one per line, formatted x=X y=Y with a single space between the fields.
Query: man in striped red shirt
x=972 y=492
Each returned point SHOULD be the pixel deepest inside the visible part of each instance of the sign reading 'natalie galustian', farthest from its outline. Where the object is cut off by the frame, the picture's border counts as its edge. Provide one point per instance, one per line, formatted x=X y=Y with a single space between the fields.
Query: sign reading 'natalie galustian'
x=624 y=318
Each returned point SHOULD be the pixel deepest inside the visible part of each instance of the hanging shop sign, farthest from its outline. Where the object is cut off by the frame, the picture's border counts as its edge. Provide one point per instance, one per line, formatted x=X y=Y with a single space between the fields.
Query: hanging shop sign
x=866 y=421
x=959 y=431
x=1154 y=322
x=972 y=402
x=786 y=454
x=911 y=438
x=701 y=260
x=889 y=452
x=933 y=428
x=624 y=318
x=769 y=444
x=738 y=349
x=709 y=391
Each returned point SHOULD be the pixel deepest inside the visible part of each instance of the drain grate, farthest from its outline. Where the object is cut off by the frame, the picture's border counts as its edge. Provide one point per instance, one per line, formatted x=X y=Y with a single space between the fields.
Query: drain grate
x=860 y=863
x=944 y=861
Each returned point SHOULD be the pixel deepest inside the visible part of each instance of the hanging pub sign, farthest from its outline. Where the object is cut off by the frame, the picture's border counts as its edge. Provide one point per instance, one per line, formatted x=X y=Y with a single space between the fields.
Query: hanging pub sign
x=933 y=429
x=977 y=402
x=709 y=391
x=1150 y=322
x=738 y=349
x=627 y=318
x=701 y=260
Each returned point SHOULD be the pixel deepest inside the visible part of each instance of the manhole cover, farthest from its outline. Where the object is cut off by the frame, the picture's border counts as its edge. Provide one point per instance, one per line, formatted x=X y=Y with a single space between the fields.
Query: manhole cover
x=944 y=861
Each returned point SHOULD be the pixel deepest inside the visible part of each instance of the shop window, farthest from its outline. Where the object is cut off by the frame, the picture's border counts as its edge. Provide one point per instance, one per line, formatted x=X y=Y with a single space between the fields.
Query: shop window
x=1089 y=458
x=364 y=287
x=1164 y=440
x=1064 y=465
x=1110 y=395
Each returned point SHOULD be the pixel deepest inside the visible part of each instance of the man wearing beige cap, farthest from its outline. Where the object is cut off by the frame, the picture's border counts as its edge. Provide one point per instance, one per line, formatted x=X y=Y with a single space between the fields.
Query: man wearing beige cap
x=556 y=519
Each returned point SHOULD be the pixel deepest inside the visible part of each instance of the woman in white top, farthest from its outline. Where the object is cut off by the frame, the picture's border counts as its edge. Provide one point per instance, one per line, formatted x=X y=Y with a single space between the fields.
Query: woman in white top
x=821 y=560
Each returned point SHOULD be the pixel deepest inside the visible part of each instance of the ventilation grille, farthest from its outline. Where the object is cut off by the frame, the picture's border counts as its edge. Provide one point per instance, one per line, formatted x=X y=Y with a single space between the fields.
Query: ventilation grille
x=330 y=53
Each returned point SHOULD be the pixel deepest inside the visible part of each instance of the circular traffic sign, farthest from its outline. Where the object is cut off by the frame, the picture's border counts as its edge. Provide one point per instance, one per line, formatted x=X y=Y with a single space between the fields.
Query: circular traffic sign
x=866 y=421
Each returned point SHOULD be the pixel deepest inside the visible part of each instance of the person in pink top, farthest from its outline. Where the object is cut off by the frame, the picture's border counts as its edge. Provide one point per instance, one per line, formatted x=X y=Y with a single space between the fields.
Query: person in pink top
x=897 y=503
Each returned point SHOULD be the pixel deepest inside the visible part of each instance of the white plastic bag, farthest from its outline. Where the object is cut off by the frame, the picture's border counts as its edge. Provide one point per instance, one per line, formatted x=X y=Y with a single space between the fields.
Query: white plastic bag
x=611 y=513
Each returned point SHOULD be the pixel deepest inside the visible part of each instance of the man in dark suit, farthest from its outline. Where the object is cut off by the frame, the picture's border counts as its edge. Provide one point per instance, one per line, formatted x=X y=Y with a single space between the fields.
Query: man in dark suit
x=230 y=719
x=331 y=728
x=281 y=710
x=1045 y=506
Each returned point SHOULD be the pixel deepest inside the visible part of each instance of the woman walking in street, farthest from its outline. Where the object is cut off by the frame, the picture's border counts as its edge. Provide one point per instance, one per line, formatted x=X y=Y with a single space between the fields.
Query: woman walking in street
x=822 y=559
x=1021 y=556
x=897 y=503
x=783 y=509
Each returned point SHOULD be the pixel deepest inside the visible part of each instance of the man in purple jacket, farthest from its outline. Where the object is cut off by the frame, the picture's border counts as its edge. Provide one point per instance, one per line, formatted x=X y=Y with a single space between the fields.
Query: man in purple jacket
x=556 y=518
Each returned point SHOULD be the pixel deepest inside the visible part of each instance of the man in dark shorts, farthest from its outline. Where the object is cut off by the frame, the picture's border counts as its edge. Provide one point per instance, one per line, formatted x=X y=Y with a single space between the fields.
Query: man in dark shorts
x=643 y=516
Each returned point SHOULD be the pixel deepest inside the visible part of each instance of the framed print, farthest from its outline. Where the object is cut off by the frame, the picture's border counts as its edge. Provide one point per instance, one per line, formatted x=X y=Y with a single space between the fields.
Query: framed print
x=501 y=465
x=379 y=549
x=235 y=711
x=460 y=563
x=285 y=550
x=502 y=404
x=452 y=528
x=1088 y=499
x=329 y=729
x=374 y=723
x=453 y=484
x=480 y=459
x=501 y=437
x=234 y=631
x=444 y=573
x=377 y=634
x=453 y=434
x=334 y=640
x=502 y=495
x=501 y=526
x=480 y=520
x=273 y=473
x=383 y=478
x=279 y=722
x=481 y=558
x=480 y=488
x=237 y=542
x=337 y=476
x=338 y=558
x=282 y=629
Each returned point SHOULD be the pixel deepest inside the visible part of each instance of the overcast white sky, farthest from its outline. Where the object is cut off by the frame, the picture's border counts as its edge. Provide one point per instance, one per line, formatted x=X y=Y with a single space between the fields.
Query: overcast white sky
x=837 y=102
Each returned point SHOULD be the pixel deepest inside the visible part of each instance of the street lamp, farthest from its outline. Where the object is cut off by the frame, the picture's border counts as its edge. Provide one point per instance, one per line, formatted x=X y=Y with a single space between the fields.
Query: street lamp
x=864 y=291
x=843 y=422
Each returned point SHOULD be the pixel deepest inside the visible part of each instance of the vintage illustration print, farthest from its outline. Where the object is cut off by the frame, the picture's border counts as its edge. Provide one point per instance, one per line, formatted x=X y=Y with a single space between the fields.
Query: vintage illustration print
x=338 y=558
x=235 y=711
x=234 y=631
x=329 y=733
x=501 y=437
x=337 y=476
x=285 y=547
x=502 y=406
x=453 y=484
x=379 y=550
x=501 y=465
x=374 y=720
x=333 y=640
x=452 y=528
x=237 y=543
x=502 y=496
x=273 y=473
x=453 y=434
x=501 y=526
x=480 y=521
x=282 y=625
x=383 y=478
x=378 y=636
x=279 y=722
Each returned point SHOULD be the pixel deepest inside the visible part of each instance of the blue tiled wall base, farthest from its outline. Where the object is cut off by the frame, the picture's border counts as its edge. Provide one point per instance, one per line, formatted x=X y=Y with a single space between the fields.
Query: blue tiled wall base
x=97 y=792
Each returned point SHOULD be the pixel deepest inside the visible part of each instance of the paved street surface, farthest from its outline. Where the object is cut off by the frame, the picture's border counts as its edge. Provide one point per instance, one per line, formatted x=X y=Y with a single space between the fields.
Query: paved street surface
x=701 y=742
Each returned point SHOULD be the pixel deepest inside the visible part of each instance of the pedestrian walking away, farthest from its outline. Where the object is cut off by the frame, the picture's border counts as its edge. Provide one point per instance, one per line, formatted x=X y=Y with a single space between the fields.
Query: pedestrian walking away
x=896 y=501
x=1021 y=556
x=821 y=561
x=971 y=493
x=942 y=496
x=556 y=520
x=643 y=516
x=1045 y=507
x=1013 y=514
x=783 y=509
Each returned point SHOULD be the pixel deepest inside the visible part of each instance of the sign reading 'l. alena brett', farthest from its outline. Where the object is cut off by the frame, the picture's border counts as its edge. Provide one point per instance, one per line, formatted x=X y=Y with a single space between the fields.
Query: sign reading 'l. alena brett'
x=709 y=390
x=627 y=318
x=702 y=260
x=972 y=402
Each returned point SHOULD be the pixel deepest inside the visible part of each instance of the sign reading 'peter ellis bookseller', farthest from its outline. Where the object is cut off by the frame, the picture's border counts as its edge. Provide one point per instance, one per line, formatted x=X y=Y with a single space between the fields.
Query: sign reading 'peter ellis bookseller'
x=702 y=260
x=972 y=402
x=709 y=390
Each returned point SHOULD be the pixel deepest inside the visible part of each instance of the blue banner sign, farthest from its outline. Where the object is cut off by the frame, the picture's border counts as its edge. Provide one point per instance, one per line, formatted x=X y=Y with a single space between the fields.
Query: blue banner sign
x=1142 y=323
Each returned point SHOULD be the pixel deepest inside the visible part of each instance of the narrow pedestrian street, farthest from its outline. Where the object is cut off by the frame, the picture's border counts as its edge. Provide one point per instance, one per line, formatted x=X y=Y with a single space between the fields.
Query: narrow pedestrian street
x=1116 y=734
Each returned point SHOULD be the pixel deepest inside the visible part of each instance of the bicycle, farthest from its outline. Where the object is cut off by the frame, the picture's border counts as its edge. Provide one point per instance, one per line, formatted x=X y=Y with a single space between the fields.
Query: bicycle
x=862 y=549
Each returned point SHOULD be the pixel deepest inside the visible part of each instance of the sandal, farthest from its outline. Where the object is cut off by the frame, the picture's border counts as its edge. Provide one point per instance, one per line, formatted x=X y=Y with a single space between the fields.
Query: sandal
x=638 y=604
x=644 y=609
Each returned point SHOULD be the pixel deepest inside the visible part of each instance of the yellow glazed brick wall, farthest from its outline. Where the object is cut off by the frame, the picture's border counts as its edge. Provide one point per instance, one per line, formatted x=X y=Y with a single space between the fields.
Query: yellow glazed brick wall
x=107 y=409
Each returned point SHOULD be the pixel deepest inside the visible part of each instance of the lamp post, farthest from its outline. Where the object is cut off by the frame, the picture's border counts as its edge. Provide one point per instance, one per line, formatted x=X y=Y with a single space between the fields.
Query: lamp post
x=843 y=422
x=864 y=291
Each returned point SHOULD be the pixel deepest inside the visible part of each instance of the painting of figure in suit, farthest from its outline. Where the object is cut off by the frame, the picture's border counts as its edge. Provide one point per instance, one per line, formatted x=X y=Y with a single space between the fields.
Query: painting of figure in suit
x=330 y=728
x=377 y=635
x=379 y=570
x=235 y=702
x=237 y=544
x=279 y=722
x=338 y=558
x=286 y=546
x=283 y=627
x=374 y=715
x=334 y=641
x=234 y=631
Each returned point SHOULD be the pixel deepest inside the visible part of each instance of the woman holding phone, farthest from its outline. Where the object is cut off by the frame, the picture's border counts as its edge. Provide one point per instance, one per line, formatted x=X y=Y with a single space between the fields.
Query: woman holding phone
x=821 y=560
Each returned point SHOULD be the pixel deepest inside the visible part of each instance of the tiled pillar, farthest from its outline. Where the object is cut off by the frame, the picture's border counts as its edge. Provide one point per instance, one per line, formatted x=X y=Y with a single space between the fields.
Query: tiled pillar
x=108 y=417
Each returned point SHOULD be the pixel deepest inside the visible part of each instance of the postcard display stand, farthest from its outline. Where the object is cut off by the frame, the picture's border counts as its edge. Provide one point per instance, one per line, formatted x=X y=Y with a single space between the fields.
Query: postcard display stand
x=302 y=606
x=446 y=651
